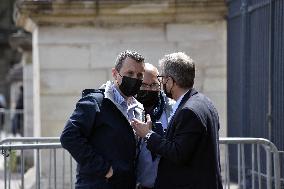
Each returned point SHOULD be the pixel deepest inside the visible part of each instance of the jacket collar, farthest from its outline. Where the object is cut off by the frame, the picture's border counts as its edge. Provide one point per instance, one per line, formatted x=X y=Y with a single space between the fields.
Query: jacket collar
x=186 y=97
x=109 y=94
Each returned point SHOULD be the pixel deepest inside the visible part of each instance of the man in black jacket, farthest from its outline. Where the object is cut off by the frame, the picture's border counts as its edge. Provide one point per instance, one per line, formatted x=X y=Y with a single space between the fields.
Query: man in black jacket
x=98 y=134
x=190 y=150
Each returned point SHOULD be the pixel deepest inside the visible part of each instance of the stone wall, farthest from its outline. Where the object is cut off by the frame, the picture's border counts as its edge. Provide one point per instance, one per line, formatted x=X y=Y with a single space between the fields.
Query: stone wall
x=75 y=45
x=71 y=59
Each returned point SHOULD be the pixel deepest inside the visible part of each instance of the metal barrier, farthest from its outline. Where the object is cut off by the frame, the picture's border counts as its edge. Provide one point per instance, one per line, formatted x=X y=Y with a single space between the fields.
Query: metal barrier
x=38 y=146
x=271 y=176
x=254 y=167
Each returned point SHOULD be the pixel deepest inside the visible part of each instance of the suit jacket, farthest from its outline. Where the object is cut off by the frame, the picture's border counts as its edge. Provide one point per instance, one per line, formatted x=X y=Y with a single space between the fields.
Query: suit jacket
x=190 y=150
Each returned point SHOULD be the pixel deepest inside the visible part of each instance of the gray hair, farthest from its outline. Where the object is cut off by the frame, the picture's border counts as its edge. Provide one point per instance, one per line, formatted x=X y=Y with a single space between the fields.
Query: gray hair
x=180 y=67
x=128 y=53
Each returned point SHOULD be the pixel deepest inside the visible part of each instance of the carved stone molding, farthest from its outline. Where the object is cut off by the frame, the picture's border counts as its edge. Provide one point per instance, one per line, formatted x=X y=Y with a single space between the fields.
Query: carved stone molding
x=109 y=12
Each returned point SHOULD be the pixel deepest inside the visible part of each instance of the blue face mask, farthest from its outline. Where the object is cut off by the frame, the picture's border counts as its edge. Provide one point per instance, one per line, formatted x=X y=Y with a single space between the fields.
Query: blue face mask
x=130 y=86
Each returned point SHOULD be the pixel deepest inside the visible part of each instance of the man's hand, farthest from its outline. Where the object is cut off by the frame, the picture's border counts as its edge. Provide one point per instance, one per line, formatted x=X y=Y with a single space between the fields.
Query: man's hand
x=109 y=173
x=141 y=128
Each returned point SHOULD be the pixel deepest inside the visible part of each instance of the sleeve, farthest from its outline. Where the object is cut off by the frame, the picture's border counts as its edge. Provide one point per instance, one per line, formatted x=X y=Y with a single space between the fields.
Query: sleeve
x=180 y=149
x=74 y=138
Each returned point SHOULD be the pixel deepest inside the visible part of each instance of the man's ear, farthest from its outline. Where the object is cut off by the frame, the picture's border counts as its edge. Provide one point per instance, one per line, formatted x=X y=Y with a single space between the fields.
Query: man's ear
x=114 y=73
x=172 y=81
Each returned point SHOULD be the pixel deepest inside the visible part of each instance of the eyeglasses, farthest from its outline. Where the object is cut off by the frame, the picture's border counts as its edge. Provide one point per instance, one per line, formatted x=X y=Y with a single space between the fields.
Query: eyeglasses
x=153 y=86
x=161 y=77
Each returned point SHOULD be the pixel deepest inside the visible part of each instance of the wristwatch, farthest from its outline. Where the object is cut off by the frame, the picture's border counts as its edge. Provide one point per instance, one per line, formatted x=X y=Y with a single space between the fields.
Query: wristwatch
x=149 y=134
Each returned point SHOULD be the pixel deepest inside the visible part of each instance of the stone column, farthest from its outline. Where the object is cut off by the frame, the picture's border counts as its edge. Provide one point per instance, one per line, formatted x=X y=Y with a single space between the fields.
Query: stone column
x=22 y=41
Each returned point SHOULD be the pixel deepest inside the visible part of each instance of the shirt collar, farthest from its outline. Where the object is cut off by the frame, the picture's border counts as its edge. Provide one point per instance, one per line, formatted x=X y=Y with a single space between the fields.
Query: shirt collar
x=118 y=98
x=175 y=106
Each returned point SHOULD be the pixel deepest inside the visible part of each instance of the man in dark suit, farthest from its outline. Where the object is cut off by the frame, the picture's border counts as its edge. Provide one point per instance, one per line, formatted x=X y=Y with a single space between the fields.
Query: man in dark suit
x=98 y=134
x=190 y=150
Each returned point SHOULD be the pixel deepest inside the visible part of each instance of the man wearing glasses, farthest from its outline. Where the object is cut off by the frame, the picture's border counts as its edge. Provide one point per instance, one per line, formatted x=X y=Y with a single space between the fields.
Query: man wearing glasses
x=189 y=151
x=98 y=134
x=159 y=107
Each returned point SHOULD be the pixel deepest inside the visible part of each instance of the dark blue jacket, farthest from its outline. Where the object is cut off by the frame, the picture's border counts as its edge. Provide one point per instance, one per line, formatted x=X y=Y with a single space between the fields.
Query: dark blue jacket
x=190 y=150
x=98 y=137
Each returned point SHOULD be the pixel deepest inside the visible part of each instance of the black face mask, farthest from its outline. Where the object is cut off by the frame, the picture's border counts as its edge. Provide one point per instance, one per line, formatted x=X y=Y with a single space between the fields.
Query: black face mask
x=130 y=86
x=148 y=98
x=168 y=94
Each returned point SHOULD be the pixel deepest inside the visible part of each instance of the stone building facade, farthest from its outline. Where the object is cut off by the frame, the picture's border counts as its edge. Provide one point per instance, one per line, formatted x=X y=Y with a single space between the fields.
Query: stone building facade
x=75 y=44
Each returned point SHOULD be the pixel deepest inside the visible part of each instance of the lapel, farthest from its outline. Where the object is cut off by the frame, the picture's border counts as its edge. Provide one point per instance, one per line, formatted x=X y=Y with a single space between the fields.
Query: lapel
x=185 y=98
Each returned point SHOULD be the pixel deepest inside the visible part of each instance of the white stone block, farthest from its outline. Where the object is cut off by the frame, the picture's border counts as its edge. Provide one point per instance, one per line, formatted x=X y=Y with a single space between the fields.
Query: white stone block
x=204 y=53
x=216 y=71
x=56 y=108
x=28 y=99
x=64 y=57
x=215 y=84
x=211 y=78
x=198 y=84
x=152 y=51
x=220 y=101
x=52 y=128
x=88 y=35
x=199 y=78
x=71 y=81
x=196 y=31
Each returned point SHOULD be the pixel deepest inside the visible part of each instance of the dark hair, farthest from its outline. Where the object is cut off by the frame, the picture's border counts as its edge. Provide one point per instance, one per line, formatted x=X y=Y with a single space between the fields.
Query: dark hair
x=180 y=67
x=128 y=53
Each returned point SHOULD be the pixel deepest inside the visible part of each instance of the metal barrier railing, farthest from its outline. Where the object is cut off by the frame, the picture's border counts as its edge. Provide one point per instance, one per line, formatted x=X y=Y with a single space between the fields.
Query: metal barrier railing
x=254 y=164
x=30 y=140
x=38 y=145
x=271 y=176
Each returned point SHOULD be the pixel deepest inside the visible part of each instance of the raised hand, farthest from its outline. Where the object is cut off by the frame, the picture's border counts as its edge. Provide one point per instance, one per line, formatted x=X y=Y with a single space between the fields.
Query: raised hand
x=141 y=128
